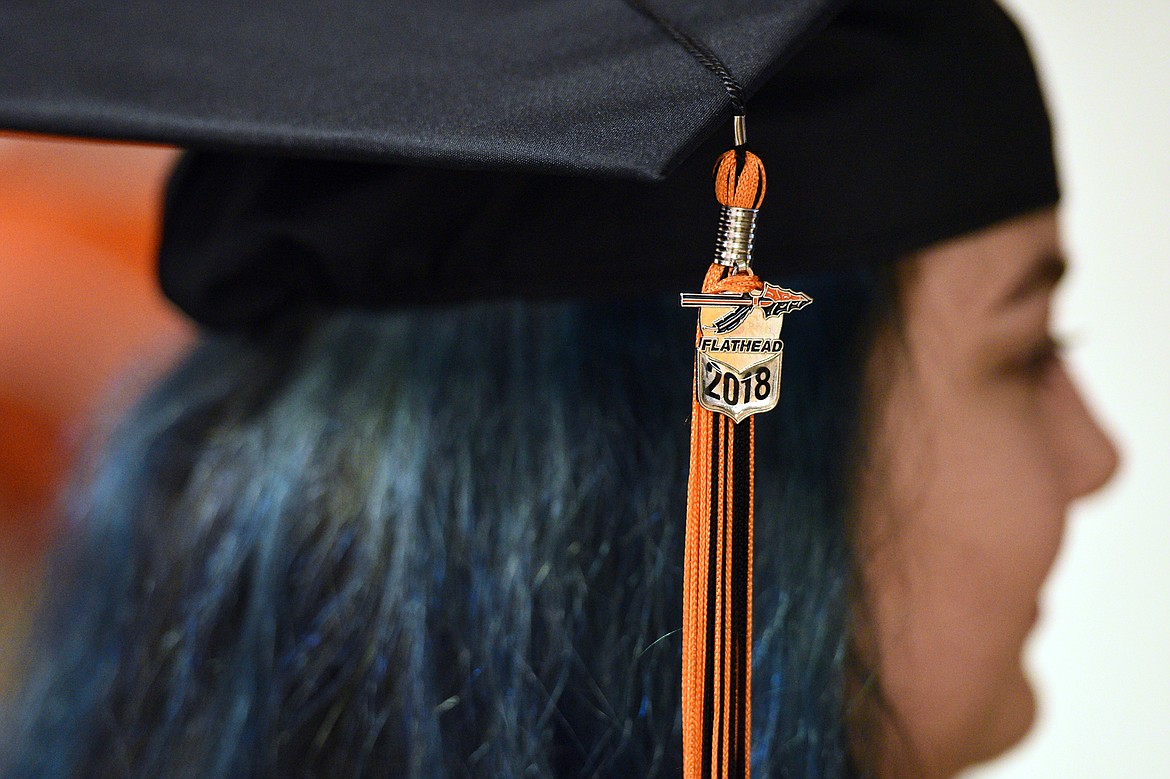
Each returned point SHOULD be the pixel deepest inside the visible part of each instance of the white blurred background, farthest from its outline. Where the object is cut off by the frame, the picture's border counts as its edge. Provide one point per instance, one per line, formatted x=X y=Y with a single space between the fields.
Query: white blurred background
x=1101 y=658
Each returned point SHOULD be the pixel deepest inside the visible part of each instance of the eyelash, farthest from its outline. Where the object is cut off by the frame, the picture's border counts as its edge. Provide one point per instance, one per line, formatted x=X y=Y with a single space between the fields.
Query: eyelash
x=1044 y=356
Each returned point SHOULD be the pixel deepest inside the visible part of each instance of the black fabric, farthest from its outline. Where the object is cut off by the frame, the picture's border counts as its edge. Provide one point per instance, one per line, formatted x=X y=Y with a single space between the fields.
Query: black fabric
x=741 y=552
x=588 y=87
x=904 y=122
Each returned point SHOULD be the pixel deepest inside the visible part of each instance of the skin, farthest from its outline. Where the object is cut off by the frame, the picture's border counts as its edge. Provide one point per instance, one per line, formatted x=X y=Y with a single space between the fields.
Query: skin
x=981 y=445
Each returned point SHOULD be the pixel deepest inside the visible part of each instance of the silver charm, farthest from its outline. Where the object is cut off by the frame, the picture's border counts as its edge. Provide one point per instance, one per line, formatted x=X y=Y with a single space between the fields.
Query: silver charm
x=739 y=351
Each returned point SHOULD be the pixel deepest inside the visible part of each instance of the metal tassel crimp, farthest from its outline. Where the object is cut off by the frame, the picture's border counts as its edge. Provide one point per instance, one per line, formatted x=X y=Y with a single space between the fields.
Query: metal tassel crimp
x=733 y=242
x=739 y=188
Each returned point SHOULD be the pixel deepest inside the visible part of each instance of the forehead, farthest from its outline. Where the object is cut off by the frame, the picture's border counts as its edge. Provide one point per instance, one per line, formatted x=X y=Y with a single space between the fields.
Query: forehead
x=985 y=271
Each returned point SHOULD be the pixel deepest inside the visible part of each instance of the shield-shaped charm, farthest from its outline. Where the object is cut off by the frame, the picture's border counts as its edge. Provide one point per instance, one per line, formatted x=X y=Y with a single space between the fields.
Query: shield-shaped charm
x=739 y=353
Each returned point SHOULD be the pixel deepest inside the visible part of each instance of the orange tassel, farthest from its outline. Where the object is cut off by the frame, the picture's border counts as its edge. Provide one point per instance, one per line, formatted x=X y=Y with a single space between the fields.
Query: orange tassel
x=720 y=529
x=716 y=691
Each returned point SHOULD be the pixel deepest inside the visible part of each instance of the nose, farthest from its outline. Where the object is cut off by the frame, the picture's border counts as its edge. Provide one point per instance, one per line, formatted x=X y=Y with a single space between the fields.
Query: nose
x=1089 y=457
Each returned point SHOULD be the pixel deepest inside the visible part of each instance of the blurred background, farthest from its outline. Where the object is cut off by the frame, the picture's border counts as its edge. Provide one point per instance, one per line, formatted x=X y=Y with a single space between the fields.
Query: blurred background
x=83 y=330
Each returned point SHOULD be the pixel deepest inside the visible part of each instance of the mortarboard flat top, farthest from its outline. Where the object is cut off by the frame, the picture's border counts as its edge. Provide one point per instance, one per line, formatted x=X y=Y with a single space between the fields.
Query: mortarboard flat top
x=583 y=87
x=888 y=125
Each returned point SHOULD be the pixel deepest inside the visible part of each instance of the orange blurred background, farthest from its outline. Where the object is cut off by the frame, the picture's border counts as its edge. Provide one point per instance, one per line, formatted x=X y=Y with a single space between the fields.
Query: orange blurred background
x=82 y=328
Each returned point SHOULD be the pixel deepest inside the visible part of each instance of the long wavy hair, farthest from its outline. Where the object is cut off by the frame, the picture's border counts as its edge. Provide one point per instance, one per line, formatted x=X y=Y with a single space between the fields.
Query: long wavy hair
x=442 y=542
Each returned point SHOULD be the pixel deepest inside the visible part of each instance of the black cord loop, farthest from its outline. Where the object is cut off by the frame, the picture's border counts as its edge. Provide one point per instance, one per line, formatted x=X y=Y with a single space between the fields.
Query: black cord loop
x=700 y=51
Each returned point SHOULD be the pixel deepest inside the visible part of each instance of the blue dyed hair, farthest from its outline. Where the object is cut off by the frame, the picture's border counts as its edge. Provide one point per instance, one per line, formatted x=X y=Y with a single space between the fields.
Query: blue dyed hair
x=442 y=543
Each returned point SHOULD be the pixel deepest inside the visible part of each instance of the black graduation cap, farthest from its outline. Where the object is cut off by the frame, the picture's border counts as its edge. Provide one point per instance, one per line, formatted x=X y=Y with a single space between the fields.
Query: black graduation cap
x=886 y=124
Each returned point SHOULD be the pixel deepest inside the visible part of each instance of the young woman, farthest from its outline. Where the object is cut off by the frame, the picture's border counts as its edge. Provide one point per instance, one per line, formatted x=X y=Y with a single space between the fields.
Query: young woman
x=977 y=446
x=398 y=517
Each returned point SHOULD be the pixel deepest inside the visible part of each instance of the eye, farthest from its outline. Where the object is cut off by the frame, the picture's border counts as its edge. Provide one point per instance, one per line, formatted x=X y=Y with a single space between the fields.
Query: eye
x=1037 y=360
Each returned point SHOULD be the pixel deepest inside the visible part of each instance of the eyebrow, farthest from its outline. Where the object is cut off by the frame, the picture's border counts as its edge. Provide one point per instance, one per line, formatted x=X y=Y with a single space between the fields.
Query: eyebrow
x=1041 y=277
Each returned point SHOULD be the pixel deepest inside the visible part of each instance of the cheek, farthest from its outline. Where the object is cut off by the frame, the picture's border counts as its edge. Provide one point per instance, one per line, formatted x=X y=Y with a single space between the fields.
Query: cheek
x=955 y=547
